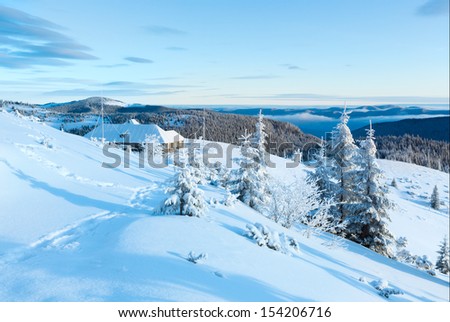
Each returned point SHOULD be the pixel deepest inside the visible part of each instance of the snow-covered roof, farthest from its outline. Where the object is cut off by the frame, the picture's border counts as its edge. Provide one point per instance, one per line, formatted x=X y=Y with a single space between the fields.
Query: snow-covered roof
x=133 y=121
x=174 y=136
x=137 y=133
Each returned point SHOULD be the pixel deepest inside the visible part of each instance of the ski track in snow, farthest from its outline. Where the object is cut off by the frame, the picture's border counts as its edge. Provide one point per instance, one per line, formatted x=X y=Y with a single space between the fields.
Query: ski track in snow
x=61 y=239
x=29 y=150
x=65 y=238
x=141 y=197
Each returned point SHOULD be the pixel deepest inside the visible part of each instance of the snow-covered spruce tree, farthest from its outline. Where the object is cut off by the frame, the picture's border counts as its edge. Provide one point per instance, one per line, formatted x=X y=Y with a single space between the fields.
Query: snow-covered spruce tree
x=261 y=138
x=250 y=181
x=423 y=263
x=220 y=175
x=343 y=170
x=215 y=174
x=394 y=183
x=322 y=176
x=198 y=168
x=435 y=202
x=367 y=220
x=185 y=198
x=229 y=200
x=443 y=261
x=402 y=254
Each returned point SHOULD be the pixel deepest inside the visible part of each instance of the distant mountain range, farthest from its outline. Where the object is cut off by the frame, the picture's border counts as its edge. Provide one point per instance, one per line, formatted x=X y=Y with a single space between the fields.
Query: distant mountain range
x=93 y=105
x=436 y=128
x=334 y=112
x=320 y=120
x=431 y=122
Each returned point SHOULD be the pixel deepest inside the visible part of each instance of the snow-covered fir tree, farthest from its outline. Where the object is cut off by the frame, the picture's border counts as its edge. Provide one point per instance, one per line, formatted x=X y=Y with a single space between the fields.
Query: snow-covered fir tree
x=322 y=175
x=435 y=202
x=367 y=220
x=443 y=261
x=250 y=181
x=198 y=168
x=394 y=183
x=261 y=138
x=230 y=199
x=185 y=199
x=343 y=169
x=219 y=175
x=351 y=177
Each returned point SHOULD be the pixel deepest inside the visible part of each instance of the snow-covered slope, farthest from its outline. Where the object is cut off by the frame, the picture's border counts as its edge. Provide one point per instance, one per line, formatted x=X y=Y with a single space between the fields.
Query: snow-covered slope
x=71 y=230
x=413 y=217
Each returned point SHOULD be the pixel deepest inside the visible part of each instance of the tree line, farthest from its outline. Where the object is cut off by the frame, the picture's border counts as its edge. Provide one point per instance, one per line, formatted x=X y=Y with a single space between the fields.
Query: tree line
x=415 y=149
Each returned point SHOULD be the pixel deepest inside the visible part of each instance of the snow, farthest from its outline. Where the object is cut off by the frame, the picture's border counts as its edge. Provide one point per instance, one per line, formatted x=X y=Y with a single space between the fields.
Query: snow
x=74 y=231
x=413 y=216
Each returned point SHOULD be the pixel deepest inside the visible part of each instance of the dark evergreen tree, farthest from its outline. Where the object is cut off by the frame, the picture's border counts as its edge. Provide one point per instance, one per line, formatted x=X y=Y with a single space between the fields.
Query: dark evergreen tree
x=442 y=263
x=435 y=202
x=394 y=183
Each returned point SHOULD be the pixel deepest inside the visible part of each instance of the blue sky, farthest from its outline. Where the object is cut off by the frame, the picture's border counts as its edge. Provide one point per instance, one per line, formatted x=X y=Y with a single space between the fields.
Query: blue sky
x=289 y=52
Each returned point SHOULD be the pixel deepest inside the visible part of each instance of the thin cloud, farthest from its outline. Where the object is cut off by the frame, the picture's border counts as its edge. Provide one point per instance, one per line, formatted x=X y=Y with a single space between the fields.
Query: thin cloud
x=112 y=65
x=62 y=80
x=434 y=8
x=139 y=60
x=164 y=78
x=329 y=97
x=12 y=61
x=293 y=97
x=404 y=99
x=165 y=93
x=164 y=31
x=27 y=41
x=255 y=77
x=292 y=67
x=122 y=83
x=131 y=85
x=82 y=92
x=302 y=96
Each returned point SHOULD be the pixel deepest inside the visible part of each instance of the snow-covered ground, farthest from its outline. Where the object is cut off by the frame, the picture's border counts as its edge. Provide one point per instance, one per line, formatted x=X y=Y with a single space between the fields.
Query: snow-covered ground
x=71 y=230
x=413 y=217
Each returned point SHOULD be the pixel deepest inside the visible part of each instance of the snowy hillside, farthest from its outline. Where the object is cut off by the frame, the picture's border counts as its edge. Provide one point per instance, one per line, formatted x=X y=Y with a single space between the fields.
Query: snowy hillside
x=71 y=230
x=95 y=102
x=413 y=217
